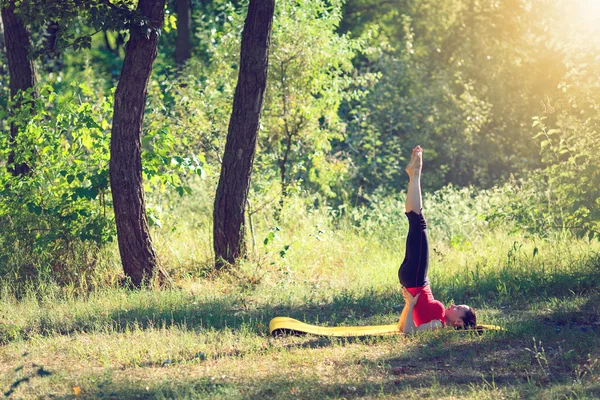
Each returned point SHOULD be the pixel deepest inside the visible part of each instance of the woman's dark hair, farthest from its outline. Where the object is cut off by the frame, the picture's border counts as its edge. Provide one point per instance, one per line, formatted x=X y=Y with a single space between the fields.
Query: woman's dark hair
x=470 y=319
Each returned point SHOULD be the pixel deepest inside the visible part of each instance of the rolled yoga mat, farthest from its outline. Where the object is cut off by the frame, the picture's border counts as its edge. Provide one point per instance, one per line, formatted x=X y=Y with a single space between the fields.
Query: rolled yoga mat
x=289 y=326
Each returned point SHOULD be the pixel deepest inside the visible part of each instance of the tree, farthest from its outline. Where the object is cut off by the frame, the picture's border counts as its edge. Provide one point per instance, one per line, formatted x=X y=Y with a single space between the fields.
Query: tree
x=183 y=46
x=460 y=77
x=311 y=75
x=238 y=158
x=22 y=73
x=138 y=255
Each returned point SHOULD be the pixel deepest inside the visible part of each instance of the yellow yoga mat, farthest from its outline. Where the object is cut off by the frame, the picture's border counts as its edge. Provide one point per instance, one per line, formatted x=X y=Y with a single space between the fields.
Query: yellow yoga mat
x=284 y=325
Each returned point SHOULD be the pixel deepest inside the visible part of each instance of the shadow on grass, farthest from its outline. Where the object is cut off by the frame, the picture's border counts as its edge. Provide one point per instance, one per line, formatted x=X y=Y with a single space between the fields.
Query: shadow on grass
x=226 y=313
x=305 y=388
x=25 y=373
x=585 y=318
x=548 y=355
x=505 y=286
x=146 y=310
x=555 y=352
x=495 y=365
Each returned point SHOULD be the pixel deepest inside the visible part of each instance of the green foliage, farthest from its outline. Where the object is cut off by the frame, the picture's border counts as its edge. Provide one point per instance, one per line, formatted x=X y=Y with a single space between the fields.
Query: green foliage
x=454 y=215
x=310 y=75
x=54 y=221
x=461 y=78
x=4 y=83
x=65 y=200
x=352 y=87
x=169 y=152
x=565 y=194
x=77 y=21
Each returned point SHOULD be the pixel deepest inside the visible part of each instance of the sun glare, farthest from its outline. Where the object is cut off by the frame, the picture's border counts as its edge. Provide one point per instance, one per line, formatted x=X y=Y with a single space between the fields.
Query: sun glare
x=579 y=19
x=588 y=10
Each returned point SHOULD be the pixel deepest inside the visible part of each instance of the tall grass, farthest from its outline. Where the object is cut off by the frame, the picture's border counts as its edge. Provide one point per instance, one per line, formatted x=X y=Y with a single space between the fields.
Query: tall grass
x=325 y=265
x=311 y=256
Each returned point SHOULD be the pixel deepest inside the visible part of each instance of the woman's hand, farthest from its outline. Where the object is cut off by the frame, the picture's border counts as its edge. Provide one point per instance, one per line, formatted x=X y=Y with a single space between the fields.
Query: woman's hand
x=409 y=298
x=406 y=323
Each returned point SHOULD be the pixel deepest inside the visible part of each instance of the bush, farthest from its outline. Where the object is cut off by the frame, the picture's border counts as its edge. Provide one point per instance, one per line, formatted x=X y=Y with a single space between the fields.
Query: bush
x=565 y=195
x=55 y=220
x=61 y=211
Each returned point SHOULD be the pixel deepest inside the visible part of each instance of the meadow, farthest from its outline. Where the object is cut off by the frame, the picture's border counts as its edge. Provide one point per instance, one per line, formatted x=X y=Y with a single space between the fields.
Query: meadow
x=502 y=96
x=207 y=336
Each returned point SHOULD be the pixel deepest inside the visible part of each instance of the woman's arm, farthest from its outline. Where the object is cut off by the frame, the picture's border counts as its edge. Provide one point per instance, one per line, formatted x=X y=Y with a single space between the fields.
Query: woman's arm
x=431 y=325
x=406 y=323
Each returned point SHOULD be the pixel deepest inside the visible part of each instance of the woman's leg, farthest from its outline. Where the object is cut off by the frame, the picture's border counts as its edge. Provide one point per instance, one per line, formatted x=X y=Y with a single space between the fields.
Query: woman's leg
x=413 y=271
x=414 y=201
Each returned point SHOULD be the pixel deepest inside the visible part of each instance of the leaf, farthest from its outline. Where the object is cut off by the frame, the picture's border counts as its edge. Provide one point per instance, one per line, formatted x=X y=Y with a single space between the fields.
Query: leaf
x=270 y=237
x=283 y=252
x=153 y=221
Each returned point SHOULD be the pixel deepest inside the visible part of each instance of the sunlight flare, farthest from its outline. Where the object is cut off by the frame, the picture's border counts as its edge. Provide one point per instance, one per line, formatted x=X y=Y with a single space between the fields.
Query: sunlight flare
x=588 y=10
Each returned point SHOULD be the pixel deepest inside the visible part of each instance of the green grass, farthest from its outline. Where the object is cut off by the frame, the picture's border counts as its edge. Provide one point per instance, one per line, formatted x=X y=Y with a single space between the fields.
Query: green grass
x=207 y=337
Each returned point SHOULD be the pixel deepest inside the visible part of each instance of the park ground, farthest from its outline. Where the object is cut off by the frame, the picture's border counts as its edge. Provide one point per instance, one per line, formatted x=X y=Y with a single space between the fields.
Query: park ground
x=207 y=336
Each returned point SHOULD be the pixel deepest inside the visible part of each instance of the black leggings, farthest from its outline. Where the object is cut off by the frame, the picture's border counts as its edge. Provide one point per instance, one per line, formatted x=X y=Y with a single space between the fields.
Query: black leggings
x=413 y=271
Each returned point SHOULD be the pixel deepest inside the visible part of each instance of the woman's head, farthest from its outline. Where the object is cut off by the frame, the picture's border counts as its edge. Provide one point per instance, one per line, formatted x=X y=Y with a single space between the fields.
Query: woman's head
x=461 y=316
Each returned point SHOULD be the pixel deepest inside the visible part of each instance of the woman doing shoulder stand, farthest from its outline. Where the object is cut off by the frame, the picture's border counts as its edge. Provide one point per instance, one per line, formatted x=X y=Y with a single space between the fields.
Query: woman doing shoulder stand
x=422 y=311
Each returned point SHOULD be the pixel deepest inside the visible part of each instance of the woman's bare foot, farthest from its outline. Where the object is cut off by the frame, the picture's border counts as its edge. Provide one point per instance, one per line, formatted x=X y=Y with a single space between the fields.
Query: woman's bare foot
x=416 y=162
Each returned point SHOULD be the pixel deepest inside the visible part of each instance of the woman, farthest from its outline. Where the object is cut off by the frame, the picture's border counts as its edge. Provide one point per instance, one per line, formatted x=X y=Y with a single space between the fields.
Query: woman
x=422 y=311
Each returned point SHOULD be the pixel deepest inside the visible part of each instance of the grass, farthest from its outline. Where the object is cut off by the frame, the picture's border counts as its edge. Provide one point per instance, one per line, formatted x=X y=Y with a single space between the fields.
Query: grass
x=207 y=338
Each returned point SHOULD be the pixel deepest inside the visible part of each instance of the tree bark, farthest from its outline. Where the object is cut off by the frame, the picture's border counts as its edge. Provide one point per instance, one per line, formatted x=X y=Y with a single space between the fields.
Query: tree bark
x=183 y=46
x=21 y=71
x=52 y=58
x=138 y=255
x=236 y=169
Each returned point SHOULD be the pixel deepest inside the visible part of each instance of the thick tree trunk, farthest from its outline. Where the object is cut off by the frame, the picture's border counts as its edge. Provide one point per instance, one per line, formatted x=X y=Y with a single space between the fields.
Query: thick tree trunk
x=183 y=46
x=234 y=181
x=138 y=255
x=20 y=69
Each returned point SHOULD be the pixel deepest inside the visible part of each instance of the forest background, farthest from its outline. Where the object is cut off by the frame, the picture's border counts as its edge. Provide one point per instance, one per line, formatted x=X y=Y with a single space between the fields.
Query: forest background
x=502 y=95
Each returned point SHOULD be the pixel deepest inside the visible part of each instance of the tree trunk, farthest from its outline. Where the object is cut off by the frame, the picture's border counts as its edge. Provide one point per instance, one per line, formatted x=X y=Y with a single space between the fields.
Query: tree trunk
x=138 y=255
x=52 y=60
x=234 y=181
x=20 y=69
x=107 y=42
x=183 y=46
x=283 y=171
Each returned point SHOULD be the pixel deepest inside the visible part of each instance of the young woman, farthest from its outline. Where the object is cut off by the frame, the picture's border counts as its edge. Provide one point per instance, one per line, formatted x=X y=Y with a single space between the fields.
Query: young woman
x=422 y=311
